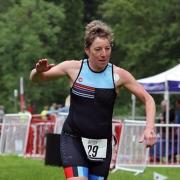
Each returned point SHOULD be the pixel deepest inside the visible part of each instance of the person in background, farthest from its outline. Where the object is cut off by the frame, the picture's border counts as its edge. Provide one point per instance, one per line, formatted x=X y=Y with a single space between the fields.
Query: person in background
x=177 y=112
x=65 y=108
x=23 y=114
x=44 y=112
x=177 y=121
x=163 y=119
x=163 y=114
x=86 y=136
x=30 y=108
x=53 y=107
x=161 y=142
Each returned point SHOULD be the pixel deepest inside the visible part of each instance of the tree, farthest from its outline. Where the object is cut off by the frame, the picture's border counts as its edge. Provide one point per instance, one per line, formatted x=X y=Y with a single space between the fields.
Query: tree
x=5 y=5
x=147 y=35
x=71 y=42
x=28 y=31
x=146 y=32
x=91 y=10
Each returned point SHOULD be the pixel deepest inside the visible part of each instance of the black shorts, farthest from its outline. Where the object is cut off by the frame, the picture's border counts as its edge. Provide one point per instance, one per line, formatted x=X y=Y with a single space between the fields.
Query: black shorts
x=74 y=155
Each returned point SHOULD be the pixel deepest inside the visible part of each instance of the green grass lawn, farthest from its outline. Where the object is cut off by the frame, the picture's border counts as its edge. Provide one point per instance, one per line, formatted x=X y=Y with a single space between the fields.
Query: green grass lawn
x=19 y=168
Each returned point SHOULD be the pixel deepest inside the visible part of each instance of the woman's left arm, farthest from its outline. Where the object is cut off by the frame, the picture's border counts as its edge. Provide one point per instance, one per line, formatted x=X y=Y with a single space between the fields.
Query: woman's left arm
x=130 y=83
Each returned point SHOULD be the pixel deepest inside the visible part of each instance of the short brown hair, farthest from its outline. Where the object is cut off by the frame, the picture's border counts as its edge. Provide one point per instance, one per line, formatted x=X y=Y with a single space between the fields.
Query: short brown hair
x=96 y=29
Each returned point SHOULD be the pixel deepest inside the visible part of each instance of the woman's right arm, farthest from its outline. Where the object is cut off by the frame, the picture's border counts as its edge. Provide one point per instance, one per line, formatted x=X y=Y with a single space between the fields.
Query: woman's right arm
x=44 y=71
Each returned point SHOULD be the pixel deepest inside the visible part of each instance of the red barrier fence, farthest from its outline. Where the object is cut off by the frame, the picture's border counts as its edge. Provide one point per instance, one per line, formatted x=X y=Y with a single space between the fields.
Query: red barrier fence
x=37 y=134
x=40 y=127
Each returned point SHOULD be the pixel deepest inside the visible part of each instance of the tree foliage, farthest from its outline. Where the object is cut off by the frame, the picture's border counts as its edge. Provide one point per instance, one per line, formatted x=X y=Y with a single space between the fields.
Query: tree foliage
x=147 y=40
x=146 y=32
x=71 y=40
x=28 y=31
x=91 y=10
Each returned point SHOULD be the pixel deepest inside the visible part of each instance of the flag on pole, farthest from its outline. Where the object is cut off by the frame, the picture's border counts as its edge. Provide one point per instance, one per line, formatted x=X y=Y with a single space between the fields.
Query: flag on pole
x=22 y=104
x=157 y=176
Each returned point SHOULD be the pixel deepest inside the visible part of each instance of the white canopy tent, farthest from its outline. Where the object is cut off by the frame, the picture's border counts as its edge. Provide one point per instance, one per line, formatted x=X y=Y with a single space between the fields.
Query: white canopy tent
x=163 y=82
x=167 y=82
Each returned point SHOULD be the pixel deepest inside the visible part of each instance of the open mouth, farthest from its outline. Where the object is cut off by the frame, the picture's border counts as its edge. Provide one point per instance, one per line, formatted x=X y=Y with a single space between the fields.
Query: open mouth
x=102 y=60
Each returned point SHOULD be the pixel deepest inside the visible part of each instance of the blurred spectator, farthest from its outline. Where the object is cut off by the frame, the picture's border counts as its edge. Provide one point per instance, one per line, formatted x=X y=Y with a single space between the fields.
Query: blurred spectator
x=65 y=109
x=23 y=114
x=177 y=121
x=159 y=149
x=30 y=108
x=44 y=112
x=59 y=106
x=177 y=112
x=163 y=119
x=2 y=113
x=163 y=114
x=53 y=108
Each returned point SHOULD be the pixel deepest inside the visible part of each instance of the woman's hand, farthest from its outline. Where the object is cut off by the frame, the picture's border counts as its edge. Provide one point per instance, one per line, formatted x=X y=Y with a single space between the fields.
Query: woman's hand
x=149 y=137
x=42 y=66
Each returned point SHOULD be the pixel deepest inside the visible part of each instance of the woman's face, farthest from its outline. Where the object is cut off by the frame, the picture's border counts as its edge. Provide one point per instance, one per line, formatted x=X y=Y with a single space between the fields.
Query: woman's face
x=99 y=53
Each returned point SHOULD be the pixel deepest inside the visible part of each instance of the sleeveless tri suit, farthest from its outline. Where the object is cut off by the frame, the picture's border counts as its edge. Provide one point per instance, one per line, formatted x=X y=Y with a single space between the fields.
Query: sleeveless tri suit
x=90 y=117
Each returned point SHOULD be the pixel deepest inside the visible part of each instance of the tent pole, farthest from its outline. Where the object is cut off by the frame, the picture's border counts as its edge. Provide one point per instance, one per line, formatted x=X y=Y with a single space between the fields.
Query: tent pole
x=167 y=118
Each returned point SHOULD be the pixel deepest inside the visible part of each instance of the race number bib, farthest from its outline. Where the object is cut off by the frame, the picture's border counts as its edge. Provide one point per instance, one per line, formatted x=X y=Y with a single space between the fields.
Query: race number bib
x=95 y=148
